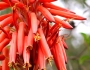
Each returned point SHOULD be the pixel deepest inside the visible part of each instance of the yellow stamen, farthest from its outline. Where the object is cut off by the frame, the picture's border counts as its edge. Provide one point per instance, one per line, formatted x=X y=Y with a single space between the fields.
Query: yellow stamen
x=37 y=37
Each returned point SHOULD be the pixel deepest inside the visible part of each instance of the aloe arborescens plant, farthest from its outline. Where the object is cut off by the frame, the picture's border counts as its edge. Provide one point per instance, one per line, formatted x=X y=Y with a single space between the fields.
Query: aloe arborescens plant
x=29 y=34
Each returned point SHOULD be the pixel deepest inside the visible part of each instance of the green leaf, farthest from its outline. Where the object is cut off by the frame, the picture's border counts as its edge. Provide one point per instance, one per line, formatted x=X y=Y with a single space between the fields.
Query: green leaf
x=86 y=38
x=83 y=59
x=8 y=10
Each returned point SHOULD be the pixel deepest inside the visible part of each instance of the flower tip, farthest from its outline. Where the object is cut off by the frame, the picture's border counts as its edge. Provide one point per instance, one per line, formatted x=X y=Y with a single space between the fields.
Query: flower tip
x=84 y=18
x=71 y=27
x=68 y=26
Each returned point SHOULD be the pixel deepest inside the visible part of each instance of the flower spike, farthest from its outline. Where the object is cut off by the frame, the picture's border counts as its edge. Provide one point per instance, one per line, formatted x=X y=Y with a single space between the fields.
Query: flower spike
x=31 y=32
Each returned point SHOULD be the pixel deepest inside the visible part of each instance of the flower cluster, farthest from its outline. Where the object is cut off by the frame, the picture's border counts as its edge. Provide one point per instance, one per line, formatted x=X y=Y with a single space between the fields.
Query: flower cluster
x=29 y=34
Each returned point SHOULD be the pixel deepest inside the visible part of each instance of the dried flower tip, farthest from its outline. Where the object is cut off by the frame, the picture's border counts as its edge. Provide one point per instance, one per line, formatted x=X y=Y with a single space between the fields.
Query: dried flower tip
x=29 y=47
x=49 y=59
x=27 y=65
x=12 y=64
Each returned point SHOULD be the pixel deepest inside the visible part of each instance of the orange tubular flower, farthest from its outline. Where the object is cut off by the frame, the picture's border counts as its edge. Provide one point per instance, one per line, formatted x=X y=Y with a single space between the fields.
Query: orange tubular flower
x=29 y=34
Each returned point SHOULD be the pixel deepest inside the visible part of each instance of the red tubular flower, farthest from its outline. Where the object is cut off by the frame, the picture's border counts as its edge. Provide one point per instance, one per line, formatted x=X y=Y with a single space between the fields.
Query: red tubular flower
x=66 y=14
x=44 y=45
x=2 y=36
x=20 y=38
x=15 y=17
x=3 y=44
x=34 y=22
x=3 y=5
x=6 y=21
x=2 y=17
x=26 y=53
x=30 y=39
x=52 y=6
x=41 y=59
x=64 y=44
x=62 y=48
x=62 y=23
x=46 y=13
x=54 y=28
x=6 y=60
x=31 y=31
x=13 y=48
x=58 y=57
